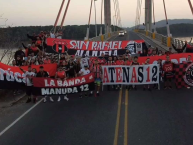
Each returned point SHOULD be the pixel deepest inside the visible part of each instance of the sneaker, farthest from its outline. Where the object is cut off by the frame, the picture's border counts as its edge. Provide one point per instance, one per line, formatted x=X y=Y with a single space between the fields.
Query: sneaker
x=28 y=100
x=59 y=99
x=188 y=87
x=66 y=98
x=44 y=100
x=51 y=99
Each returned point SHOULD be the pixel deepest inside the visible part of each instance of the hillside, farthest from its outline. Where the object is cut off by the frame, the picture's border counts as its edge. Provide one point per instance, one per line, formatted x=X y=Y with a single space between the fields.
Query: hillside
x=19 y=34
x=162 y=23
x=178 y=30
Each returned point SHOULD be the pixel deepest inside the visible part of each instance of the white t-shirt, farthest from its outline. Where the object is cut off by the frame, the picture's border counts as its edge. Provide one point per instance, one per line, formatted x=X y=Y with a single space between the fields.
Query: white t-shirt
x=84 y=72
x=28 y=81
x=52 y=35
x=84 y=61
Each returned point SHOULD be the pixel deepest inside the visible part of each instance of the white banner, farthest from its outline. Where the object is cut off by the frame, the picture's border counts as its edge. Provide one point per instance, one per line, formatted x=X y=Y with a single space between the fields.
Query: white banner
x=131 y=75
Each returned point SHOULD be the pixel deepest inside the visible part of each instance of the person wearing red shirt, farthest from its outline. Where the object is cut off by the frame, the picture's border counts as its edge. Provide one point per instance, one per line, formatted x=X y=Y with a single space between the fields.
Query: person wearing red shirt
x=127 y=61
x=168 y=72
x=169 y=52
x=61 y=75
x=120 y=61
x=146 y=86
x=135 y=62
x=110 y=63
x=47 y=60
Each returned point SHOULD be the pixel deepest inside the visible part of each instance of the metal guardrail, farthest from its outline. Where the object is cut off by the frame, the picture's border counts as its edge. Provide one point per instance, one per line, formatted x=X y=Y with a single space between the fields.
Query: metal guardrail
x=98 y=38
x=177 y=42
x=163 y=39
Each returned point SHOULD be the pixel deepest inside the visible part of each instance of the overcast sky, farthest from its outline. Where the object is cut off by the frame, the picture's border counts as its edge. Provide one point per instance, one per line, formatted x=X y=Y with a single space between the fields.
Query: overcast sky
x=43 y=12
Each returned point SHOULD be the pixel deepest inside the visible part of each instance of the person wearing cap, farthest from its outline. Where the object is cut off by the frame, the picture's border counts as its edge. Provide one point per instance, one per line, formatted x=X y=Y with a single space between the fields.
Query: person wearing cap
x=43 y=74
x=84 y=71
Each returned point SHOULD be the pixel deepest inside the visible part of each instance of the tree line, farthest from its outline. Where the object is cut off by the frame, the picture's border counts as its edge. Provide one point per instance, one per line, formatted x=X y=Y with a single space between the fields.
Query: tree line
x=19 y=34
x=178 y=30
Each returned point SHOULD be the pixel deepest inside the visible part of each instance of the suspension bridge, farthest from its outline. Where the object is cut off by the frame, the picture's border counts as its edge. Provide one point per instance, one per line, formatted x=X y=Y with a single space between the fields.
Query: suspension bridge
x=117 y=117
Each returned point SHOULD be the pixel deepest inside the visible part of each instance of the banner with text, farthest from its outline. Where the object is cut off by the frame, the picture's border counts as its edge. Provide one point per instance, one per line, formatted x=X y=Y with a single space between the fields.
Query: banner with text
x=131 y=75
x=13 y=78
x=94 y=48
x=48 y=86
x=175 y=58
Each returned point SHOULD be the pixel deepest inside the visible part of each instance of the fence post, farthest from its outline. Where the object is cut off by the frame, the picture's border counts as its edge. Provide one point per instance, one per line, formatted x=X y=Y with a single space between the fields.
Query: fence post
x=102 y=37
x=168 y=41
x=146 y=33
x=109 y=35
x=153 y=35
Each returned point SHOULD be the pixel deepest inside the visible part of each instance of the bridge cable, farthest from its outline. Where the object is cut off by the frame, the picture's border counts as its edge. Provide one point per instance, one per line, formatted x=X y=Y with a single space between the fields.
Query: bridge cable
x=167 y=24
x=190 y=4
x=57 y=18
x=64 y=16
x=115 y=14
x=154 y=16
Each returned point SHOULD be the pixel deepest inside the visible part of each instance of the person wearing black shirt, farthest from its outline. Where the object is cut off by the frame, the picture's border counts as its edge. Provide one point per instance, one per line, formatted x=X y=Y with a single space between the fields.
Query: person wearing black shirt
x=71 y=71
x=43 y=74
x=19 y=53
x=19 y=61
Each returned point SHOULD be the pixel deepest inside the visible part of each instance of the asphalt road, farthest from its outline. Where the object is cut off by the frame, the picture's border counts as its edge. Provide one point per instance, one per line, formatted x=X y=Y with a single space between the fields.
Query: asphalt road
x=119 y=117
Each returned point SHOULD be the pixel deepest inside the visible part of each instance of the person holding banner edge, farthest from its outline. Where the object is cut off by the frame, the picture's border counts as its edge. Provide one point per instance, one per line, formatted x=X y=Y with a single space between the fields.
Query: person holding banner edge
x=61 y=75
x=98 y=72
x=44 y=74
x=29 y=89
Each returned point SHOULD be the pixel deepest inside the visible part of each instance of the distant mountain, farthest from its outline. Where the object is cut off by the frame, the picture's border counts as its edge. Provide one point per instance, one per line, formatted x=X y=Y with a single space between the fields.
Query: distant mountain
x=162 y=23
x=178 y=30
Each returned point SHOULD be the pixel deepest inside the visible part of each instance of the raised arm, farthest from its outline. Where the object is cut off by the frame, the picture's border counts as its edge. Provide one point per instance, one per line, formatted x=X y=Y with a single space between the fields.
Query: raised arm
x=174 y=47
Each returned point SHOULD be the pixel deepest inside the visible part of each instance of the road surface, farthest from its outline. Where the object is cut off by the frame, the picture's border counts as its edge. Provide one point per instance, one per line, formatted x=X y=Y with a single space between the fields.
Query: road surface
x=117 y=117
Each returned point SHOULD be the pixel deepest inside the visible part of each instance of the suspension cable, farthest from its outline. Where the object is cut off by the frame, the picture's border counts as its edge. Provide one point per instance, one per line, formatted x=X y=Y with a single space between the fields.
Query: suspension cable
x=57 y=18
x=90 y=13
x=102 y=12
x=64 y=14
x=154 y=16
x=191 y=8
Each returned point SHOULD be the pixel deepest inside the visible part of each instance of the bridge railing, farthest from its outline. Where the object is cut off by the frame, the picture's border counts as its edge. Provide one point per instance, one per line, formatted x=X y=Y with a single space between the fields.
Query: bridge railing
x=166 y=41
x=104 y=37
x=177 y=42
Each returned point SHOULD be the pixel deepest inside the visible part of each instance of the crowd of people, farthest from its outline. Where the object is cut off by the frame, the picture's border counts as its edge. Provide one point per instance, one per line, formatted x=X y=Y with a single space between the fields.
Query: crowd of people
x=73 y=66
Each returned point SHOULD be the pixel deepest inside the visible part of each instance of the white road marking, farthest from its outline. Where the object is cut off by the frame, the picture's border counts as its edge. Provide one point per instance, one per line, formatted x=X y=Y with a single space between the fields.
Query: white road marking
x=14 y=122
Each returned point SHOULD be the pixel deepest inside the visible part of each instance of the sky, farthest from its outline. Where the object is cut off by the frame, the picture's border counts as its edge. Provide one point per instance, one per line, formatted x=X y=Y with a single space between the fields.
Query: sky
x=44 y=12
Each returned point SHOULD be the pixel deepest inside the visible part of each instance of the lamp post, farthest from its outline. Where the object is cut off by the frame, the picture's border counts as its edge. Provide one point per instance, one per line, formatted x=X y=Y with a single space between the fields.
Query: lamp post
x=95 y=18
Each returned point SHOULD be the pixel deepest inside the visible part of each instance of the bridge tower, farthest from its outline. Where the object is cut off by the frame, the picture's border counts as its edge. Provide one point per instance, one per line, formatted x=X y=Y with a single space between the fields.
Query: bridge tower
x=107 y=16
x=148 y=15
